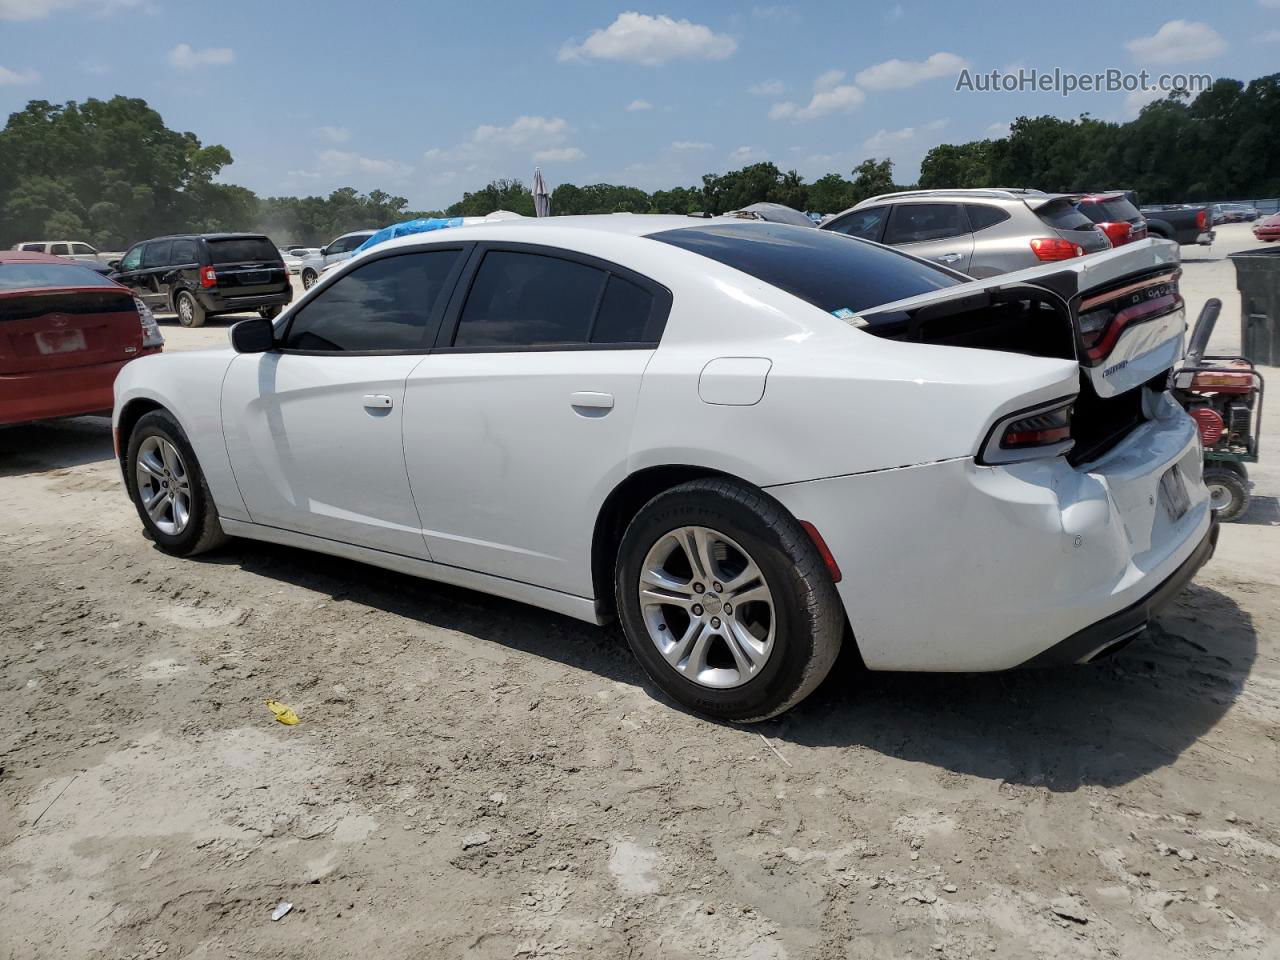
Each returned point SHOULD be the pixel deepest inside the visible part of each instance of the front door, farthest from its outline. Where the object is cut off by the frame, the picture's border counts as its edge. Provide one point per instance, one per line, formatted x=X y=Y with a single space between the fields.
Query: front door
x=314 y=428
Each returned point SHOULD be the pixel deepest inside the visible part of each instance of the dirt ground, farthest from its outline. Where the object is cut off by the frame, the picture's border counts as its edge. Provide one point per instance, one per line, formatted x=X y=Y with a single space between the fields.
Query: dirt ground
x=475 y=778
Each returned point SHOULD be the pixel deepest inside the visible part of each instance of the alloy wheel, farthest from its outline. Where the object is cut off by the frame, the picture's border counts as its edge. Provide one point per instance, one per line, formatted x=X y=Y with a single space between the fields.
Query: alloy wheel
x=164 y=486
x=707 y=607
x=186 y=313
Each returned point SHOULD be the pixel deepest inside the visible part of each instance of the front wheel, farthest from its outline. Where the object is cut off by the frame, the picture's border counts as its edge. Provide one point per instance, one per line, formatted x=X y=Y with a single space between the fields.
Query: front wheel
x=1228 y=492
x=725 y=601
x=168 y=488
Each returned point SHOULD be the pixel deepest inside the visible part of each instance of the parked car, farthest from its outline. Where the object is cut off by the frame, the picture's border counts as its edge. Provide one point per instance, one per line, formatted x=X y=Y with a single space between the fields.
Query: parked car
x=750 y=441
x=1115 y=215
x=1268 y=228
x=339 y=249
x=1183 y=224
x=292 y=262
x=71 y=249
x=1237 y=212
x=1267 y=207
x=65 y=332
x=977 y=232
x=198 y=276
x=773 y=213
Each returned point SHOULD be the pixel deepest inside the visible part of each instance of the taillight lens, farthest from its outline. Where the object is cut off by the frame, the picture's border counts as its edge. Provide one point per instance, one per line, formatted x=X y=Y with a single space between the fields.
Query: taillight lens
x=1201 y=220
x=207 y=277
x=1048 y=249
x=1043 y=431
x=151 y=335
x=1118 y=233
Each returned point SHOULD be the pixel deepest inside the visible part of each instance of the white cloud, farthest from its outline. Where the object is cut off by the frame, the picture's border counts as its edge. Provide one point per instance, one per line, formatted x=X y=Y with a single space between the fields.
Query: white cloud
x=639 y=104
x=1178 y=41
x=1273 y=4
x=640 y=38
x=831 y=95
x=17 y=78
x=745 y=155
x=1137 y=99
x=343 y=163
x=896 y=12
x=559 y=155
x=524 y=131
x=186 y=57
x=1271 y=36
x=897 y=74
x=883 y=141
x=769 y=88
x=778 y=12
x=333 y=134
x=95 y=68
x=998 y=130
x=688 y=146
x=39 y=9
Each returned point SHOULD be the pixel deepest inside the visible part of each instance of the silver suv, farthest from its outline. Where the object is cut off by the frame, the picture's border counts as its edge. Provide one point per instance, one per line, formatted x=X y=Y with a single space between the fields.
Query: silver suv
x=978 y=232
x=339 y=249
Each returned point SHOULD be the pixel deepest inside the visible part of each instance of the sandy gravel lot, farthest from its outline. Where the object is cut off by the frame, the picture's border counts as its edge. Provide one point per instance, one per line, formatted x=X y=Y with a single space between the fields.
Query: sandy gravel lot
x=474 y=778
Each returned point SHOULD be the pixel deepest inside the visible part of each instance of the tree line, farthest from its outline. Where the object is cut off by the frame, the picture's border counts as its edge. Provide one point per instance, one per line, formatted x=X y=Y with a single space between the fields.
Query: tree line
x=111 y=172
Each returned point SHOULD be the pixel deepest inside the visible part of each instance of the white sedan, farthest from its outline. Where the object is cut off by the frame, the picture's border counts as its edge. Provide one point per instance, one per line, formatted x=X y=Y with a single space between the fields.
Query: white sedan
x=751 y=442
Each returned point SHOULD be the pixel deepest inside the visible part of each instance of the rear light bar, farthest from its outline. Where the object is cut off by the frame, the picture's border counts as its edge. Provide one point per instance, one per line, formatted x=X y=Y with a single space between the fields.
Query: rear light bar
x=1119 y=233
x=151 y=335
x=1048 y=249
x=1031 y=434
x=208 y=278
x=1201 y=220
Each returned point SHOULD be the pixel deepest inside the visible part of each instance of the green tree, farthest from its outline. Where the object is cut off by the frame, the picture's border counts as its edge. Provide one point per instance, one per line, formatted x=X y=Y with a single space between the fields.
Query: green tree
x=871 y=178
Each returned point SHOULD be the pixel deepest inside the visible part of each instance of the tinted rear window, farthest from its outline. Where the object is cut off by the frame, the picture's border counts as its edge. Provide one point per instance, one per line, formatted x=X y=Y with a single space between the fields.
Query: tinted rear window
x=523 y=299
x=1062 y=215
x=826 y=269
x=982 y=216
x=242 y=249
x=1110 y=211
x=22 y=276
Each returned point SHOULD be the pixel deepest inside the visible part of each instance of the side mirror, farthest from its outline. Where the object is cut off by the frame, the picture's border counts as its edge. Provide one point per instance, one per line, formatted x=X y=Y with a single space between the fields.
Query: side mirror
x=324 y=251
x=113 y=264
x=255 y=335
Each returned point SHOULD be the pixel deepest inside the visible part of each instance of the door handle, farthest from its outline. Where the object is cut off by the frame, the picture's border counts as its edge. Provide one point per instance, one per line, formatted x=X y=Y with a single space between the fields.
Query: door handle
x=948 y=258
x=591 y=399
x=377 y=401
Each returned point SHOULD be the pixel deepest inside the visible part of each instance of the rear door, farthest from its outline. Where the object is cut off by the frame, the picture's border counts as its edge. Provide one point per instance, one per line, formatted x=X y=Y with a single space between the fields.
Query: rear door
x=246 y=266
x=933 y=231
x=55 y=316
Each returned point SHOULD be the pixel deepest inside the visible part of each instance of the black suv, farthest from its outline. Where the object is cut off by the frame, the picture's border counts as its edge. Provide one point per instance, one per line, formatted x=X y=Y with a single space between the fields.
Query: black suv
x=201 y=275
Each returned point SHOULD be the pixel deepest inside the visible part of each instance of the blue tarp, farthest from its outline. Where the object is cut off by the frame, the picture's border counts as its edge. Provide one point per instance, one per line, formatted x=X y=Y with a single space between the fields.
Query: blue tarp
x=408 y=227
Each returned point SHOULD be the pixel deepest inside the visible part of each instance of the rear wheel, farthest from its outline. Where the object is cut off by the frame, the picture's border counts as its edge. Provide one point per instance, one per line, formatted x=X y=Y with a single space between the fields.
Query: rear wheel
x=169 y=489
x=1228 y=492
x=308 y=279
x=725 y=601
x=269 y=313
x=190 y=313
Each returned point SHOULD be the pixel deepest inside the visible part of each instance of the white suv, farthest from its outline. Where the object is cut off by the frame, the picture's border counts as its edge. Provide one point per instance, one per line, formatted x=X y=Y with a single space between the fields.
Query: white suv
x=338 y=250
x=71 y=249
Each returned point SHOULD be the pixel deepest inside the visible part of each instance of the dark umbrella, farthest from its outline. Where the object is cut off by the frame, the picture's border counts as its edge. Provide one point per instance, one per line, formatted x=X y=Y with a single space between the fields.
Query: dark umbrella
x=541 y=199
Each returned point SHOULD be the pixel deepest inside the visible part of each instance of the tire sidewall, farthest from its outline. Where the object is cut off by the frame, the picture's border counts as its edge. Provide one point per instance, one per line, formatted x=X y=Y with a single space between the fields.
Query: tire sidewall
x=787 y=666
x=159 y=423
x=177 y=306
x=1233 y=479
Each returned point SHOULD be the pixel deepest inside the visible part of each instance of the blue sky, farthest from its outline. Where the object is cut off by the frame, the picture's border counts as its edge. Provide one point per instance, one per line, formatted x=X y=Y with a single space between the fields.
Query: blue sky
x=428 y=99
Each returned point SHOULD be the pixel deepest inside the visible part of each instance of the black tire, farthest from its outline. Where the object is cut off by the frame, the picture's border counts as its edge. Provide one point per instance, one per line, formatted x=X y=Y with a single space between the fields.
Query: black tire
x=269 y=313
x=202 y=531
x=808 y=618
x=308 y=279
x=188 y=309
x=1230 y=488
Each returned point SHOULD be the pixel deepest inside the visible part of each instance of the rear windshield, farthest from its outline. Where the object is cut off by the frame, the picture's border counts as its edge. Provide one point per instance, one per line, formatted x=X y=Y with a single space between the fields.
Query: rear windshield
x=829 y=270
x=1110 y=211
x=242 y=249
x=28 y=276
x=1062 y=215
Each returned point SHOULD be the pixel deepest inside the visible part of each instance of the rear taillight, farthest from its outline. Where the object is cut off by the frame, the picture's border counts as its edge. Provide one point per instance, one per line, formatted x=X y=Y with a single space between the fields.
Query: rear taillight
x=151 y=335
x=1043 y=431
x=1048 y=249
x=1118 y=233
x=207 y=277
x=1201 y=220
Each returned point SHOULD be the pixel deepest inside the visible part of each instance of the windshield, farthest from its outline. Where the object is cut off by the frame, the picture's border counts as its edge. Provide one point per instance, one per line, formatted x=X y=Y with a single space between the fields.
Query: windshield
x=833 y=272
x=28 y=276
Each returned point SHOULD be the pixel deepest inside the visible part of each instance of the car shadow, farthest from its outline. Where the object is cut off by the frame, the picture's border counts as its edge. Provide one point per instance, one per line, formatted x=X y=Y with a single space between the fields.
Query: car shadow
x=1262 y=512
x=1104 y=724
x=54 y=445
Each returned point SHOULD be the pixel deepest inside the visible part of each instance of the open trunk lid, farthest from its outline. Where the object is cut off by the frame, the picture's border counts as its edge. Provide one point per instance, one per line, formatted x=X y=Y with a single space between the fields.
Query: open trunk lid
x=55 y=329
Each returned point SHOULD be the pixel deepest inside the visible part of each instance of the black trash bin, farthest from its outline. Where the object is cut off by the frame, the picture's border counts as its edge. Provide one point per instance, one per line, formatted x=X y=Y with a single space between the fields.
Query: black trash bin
x=1258 y=280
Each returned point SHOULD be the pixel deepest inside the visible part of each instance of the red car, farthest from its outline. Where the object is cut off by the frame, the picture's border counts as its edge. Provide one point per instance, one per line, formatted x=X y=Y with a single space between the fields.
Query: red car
x=1268 y=229
x=1115 y=215
x=65 y=332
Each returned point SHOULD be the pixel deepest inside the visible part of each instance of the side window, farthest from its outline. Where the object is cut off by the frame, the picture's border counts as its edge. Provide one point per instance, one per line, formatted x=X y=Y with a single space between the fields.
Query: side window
x=83 y=250
x=866 y=224
x=982 y=216
x=383 y=305
x=33 y=248
x=59 y=249
x=156 y=254
x=184 y=252
x=918 y=222
x=527 y=299
x=624 y=313
x=133 y=259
